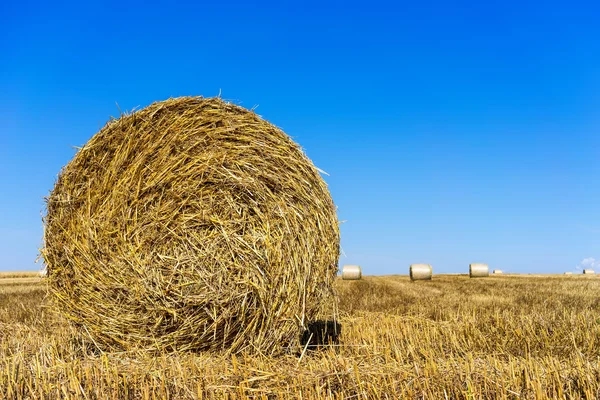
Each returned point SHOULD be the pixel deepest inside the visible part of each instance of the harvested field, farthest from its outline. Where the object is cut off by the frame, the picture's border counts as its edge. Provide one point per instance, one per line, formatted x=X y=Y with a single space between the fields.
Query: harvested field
x=511 y=337
x=20 y=274
x=19 y=281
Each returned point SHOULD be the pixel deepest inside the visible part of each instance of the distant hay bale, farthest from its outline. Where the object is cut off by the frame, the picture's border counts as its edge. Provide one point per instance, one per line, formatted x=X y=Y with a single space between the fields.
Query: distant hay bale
x=192 y=224
x=568 y=273
x=351 y=272
x=420 y=272
x=477 y=270
x=497 y=272
x=588 y=272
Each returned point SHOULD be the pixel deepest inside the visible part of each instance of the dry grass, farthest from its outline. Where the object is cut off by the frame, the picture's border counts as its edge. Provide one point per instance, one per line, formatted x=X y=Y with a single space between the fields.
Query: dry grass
x=507 y=337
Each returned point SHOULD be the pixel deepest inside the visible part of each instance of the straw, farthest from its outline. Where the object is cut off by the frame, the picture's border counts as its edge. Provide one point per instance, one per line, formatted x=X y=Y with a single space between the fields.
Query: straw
x=192 y=224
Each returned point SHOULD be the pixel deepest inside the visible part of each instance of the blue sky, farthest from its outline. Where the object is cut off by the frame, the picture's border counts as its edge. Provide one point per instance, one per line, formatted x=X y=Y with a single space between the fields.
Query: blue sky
x=452 y=133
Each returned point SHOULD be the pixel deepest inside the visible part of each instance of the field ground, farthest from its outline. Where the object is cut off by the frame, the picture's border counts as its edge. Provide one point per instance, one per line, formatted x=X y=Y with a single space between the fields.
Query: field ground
x=503 y=337
x=24 y=274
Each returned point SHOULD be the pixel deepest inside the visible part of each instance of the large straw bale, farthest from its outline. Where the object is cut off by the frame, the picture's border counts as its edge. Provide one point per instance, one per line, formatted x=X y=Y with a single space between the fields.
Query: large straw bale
x=477 y=270
x=588 y=272
x=192 y=224
x=351 y=272
x=420 y=272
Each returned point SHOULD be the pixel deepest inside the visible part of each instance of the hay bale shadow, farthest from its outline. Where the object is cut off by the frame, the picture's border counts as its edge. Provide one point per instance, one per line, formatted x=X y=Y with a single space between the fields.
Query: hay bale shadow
x=321 y=333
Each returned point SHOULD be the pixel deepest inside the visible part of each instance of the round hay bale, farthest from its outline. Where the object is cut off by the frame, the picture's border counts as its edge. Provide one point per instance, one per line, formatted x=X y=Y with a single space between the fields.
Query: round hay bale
x=420 y=272
x=497 y=272
x=588 y=272
x=192 y=224
x=478 y=270
x=351 y=273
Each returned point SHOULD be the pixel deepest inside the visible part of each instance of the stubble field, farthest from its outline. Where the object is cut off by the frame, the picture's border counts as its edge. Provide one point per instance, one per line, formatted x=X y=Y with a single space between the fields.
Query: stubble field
x=503 y=337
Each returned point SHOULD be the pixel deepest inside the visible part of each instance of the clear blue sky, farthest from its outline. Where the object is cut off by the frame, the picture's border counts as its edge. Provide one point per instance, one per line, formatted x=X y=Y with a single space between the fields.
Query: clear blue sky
x=453 y=132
